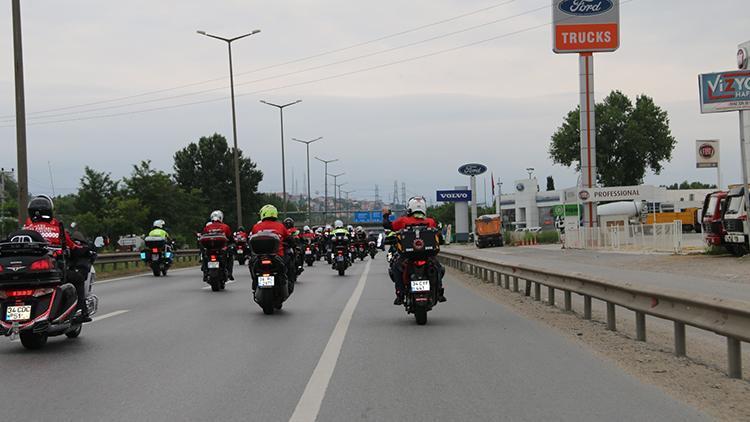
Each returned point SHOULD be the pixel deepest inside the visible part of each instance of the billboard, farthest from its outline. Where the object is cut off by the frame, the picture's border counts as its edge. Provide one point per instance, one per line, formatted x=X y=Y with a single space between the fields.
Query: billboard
x=585 y=26
x=613 y=194
x=724 y=91
x=454 y=196
x=707 y=154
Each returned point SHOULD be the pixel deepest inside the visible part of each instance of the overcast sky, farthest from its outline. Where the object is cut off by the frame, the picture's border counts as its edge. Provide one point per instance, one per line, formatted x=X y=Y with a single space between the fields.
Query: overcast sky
x=405 y=118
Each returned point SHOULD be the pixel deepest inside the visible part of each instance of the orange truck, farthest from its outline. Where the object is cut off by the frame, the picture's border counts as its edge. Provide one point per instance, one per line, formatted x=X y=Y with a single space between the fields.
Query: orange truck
x=489 y=231
x=688 y=216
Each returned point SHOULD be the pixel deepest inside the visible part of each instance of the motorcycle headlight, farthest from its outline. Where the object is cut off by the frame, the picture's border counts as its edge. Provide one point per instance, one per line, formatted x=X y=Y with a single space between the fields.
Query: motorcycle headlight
x=168 y=254
x=143 y=255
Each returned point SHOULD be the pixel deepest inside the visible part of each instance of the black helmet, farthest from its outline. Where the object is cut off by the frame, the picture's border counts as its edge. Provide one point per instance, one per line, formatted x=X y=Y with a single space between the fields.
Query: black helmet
x=241 y=229
x=41 y=208
x=288 y=223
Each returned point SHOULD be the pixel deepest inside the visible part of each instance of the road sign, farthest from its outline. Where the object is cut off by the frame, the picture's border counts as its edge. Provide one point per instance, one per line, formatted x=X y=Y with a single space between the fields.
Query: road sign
x=586 y=26
x=376 y=216
x=725 y=91
x=453 y=196
x=707 y=154
x=362 y=217
x=472 y=169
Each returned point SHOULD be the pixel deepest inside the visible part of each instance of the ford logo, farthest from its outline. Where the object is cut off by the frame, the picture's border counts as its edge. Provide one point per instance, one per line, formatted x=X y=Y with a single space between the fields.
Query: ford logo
x=585 y=7
x=472 y=169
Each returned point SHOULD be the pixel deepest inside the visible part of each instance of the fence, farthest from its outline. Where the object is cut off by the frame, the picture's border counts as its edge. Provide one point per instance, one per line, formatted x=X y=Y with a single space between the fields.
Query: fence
x=663 y=237
x=722 y=316
x=133 y=259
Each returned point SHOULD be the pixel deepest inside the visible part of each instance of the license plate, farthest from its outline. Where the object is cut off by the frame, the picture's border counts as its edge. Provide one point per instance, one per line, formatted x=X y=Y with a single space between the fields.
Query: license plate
x=420 y=286
x=265 y=281
x=731 y=238
x=339 y=258
x=308 y=252
x=18 y=313
x=154 y=257
x=214 y=264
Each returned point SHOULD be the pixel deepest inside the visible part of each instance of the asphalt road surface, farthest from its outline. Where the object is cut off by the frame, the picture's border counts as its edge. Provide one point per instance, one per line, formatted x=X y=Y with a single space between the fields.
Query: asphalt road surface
x=166 y=349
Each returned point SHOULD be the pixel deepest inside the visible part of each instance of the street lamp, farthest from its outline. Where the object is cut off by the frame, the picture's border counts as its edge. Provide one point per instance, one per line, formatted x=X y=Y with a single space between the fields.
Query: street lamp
x=530 y=170
x=339 y=204
x=325 y=199
x=335 y=201
x=237 y=189
x=307 y=145
x=281 y=108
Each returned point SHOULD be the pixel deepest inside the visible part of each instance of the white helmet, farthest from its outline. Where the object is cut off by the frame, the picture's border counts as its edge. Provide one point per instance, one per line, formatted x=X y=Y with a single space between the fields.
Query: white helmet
x=350 y=228
x=359 y=229
x=217 y=216
x=338 y=224
x=416 y=205
x=159 y=223
x=306 y=229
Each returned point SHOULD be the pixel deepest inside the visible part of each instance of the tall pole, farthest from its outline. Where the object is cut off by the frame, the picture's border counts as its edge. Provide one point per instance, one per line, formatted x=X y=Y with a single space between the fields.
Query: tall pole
x=335 y=178
x=588 y=133
x=307 y=145
x=473 y=205
x=281 y=108
x=745 y=171
x=237 y=187
x=23 y=175
x=325 y=198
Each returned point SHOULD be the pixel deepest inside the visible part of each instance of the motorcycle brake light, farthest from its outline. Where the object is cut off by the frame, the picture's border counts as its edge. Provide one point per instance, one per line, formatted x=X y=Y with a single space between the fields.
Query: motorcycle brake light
x=420 y=263
x=213 y=258
x=266 y=262
x=2 y=268
x=41 y=265
x=155 y=250
x=19 y=293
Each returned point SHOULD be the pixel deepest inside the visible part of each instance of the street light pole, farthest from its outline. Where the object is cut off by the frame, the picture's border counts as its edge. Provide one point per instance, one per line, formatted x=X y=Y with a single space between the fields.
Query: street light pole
x=325 y=198
x=281 y=108
x=237 y=188
x=335 y=201
x=23 y=175
x=307 y=145
x=341 y=211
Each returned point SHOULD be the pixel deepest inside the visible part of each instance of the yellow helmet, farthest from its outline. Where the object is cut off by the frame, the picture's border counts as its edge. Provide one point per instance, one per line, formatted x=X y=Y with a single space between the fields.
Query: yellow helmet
x=268 y=211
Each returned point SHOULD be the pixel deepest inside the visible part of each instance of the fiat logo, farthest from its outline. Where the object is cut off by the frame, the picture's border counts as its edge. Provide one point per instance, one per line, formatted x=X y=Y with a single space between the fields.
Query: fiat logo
x=584 y=195
x=706 y=151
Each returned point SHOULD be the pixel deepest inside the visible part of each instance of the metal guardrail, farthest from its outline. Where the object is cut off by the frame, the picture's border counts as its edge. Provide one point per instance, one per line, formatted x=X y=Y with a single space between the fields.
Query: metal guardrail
x=725 y=317
x=125 y=259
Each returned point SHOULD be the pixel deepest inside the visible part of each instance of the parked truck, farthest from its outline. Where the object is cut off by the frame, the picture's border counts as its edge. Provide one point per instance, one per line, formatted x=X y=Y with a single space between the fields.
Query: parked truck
x=735 y=222
x=688 y=216
x=712 y=215
x=489 y=231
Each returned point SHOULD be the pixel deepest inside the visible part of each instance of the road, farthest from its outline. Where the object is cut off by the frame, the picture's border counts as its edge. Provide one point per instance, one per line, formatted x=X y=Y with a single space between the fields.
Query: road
x=169 y=349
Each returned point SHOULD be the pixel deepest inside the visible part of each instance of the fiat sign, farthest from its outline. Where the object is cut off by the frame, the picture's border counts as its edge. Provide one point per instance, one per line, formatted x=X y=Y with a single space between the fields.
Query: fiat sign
x=586 y=26
x=707 y=154
x=472 y=169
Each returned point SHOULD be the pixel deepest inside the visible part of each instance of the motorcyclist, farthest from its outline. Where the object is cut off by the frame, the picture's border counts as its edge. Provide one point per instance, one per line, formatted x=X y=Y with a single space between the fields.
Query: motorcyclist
x=416 y=216
x=269 y=222
x=240 y=236
x=216 y=226
x=41 y=220
x=340 y=234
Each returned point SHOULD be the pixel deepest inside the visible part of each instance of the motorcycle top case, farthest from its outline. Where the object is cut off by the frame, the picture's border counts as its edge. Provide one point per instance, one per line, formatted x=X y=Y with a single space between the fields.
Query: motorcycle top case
x=155 y=242
x=265 y=243
x=213 y=241
x=419 y=241
x=16 y=259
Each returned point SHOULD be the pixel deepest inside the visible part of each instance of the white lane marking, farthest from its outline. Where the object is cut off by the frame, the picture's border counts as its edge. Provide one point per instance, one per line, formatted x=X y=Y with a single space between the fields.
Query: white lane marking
x=109 y=315
x=97 y=318
x=109 y=280
x=308 y=406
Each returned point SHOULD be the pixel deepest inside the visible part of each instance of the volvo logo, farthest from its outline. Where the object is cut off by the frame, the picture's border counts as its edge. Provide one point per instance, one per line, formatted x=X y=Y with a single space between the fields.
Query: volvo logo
x=585 y=7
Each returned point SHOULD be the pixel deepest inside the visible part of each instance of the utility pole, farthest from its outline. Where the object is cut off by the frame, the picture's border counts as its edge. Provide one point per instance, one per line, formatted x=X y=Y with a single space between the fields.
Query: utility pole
x=237 y=189
x=307 y=146
x=325 y=198
x=23 y=172
x=281 y=108
x=3 y=172
x=338 y=186
x=335 y=200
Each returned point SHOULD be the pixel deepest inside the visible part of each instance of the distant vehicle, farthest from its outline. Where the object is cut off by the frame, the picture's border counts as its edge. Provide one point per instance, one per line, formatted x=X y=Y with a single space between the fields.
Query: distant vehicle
x=489 y=231
x=735 y=221
x=688 y=217
x=712 y=215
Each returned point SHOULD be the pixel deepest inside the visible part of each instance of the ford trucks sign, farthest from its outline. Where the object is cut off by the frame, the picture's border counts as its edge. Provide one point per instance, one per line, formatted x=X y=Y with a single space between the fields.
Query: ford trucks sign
x=585 y=26
x=585 y=7
x=472 y=169
x=453 y=196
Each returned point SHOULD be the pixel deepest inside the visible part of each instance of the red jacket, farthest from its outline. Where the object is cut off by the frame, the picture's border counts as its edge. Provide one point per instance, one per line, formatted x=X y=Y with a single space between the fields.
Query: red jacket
x=408 y=221
x=50 y=231
x=310 y=236
x=240 y=236
x=217 y=227
x=274 y=227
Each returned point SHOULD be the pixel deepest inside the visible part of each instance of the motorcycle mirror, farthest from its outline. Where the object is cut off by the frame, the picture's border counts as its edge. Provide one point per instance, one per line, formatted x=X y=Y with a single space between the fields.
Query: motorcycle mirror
x=99 y=242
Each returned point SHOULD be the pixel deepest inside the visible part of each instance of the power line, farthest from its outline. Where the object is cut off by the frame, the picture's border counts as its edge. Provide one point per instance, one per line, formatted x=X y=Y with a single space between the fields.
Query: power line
x=295 y=72
x=306 y=58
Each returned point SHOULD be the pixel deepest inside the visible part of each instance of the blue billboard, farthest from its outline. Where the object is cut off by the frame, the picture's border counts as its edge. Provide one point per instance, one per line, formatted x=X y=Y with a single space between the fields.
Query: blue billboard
x=362 y=217
x=453 y=196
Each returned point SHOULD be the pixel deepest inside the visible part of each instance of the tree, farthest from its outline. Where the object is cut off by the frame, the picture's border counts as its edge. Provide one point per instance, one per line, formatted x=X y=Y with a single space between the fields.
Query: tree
x=208 y=167
x=550 y=183
x=629 y=140
x=690 y=185
x=95 y=193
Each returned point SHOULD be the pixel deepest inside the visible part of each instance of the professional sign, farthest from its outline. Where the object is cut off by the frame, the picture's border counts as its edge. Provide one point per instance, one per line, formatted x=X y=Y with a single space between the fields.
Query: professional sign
x=586 y=26
x=620 y=193
x=453 y=196
x=707 y=154
x=725 y=91
x=472 y=169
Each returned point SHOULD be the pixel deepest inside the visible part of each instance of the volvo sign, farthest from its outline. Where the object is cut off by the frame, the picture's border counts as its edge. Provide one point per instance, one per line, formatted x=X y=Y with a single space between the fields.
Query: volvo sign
x=472 y=169
x=453 y=196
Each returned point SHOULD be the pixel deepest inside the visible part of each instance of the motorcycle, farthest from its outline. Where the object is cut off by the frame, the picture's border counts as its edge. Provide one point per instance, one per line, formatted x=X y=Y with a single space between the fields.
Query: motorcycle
x=157 y=255
x=361 y=251
x=269 y=274
x=309 y=253
x=36 y=300
x=420 y=246
x=373 y=249
x=215 y=256
x=241 y=251
x=341 y=256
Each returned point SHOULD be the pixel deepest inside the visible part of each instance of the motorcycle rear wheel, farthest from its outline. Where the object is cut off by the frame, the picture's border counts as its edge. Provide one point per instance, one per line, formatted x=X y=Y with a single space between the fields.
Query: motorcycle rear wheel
x=75 y=332
x=156 y=272
x=421 y=316
x=342 y=271
x=33 y=341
